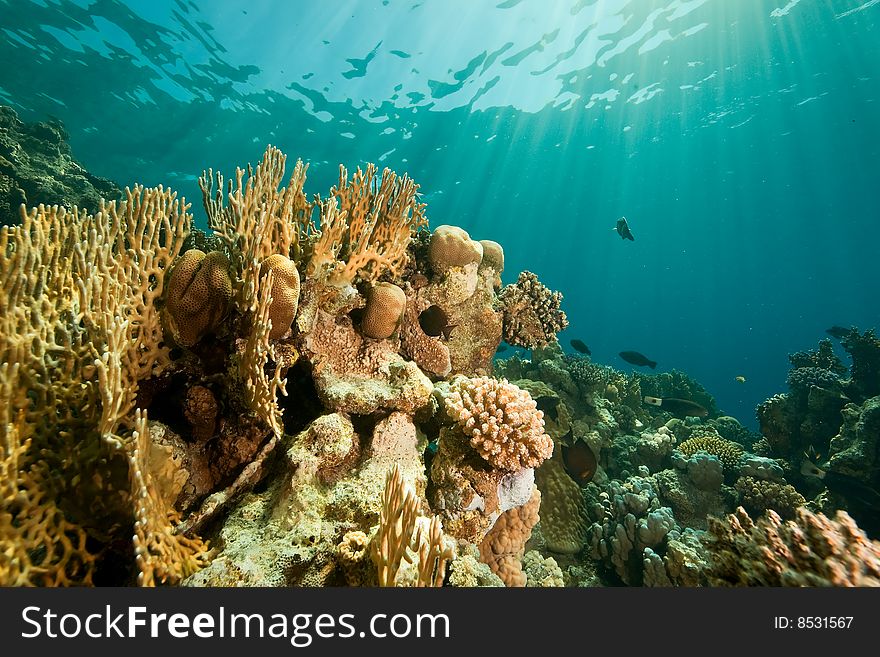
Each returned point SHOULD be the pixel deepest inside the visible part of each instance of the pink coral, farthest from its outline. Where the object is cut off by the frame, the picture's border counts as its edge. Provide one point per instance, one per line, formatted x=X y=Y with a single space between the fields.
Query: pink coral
x=502 y=422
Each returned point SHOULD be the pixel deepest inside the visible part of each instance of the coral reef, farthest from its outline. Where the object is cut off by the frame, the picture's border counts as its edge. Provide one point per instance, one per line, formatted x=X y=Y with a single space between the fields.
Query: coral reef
x=503 y=547
x=726 y=451
x=812 y=550
x=759 y=495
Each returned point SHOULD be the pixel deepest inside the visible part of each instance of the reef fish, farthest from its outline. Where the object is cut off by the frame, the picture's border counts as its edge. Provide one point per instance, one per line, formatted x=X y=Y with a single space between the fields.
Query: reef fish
x=740 y=379
x=549 y=406
x=623 y=230
x=581 y=347
x=635 y=358
x=842 y=484
x=838 y=332
x=579 y=461
x=678 y=407
x=435 y=322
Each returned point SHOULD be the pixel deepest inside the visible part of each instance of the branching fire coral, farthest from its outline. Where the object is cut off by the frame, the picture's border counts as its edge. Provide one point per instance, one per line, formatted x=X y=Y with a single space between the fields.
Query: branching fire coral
x=366 y=225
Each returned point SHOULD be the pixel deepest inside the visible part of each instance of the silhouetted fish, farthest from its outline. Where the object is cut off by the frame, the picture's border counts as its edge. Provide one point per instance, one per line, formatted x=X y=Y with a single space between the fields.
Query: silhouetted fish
x=580 y=346
x=678 y=407
x=579 y=461
x=838 y=332
x=635 y=358
x=435 y=322
x=842 y=484
x=549 y=405
x=623 y=230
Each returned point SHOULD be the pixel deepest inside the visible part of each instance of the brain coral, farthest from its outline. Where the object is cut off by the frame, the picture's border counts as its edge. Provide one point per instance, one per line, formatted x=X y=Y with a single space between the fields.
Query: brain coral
x=285 y=293
x=812 y=550
x=501 y=420
x=198 y=295
x=532 y=316
x=451 y=246
x=385 y=305
x=727 y=452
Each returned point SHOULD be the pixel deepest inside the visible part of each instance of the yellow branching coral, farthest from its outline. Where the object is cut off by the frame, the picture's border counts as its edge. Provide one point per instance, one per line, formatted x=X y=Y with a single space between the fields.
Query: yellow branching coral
x=79 y=328
x=394 y=536
x=366 y=225
x=260 y=219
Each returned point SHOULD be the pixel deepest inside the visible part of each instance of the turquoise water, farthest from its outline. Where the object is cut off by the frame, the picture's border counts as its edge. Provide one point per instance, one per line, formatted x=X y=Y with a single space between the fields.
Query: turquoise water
x=739 y=137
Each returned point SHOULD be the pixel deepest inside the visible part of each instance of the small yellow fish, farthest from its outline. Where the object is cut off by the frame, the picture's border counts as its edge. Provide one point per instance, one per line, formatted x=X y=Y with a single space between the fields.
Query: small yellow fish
x=741 y=379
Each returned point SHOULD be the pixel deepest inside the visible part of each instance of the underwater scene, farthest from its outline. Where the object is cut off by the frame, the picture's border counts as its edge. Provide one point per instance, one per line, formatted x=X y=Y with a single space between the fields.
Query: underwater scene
x=580 y=293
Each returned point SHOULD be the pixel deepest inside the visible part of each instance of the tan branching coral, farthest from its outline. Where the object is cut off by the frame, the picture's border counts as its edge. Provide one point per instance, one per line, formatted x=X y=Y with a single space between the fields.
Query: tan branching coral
x=397 y=522
x=503 y=547
x=501 y=420
x=366 y=226
x=384 y=311
x=812 y=550
x=394 y=536
x=532 y=314
x=199 y=292
x=260 y=219
x=728 y=452
x=285 y=293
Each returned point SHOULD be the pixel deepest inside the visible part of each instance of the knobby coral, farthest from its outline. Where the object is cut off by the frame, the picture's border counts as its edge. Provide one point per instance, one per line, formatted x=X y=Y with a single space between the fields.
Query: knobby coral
x=532 y=315
x=812 y=550
x=501 y=420
x=727 y=452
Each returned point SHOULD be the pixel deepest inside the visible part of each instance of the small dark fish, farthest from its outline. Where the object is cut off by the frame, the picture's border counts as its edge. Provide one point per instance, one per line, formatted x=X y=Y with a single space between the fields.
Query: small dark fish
x=635 y=358
x=581 y=347
x=501 y=348
x=580 y=462
x=838 y=332
x=623 y=230
x=549 y=405
x=435 y=322
x=678 y=407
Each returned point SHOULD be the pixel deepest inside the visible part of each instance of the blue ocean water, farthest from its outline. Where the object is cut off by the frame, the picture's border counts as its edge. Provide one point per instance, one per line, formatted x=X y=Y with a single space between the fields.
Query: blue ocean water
x=740 y=138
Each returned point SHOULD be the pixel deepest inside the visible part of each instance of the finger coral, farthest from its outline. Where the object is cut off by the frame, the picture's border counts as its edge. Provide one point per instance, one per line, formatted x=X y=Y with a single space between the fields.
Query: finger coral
x=811 y=550
x=501 y=420
x=532 y=315
x=198 y=296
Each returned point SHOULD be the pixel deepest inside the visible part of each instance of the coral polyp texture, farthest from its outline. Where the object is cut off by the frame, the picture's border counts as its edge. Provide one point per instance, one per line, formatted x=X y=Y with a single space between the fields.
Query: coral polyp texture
x=532 y=313
x=811 y=550
x=199 y=292
x=384 y=311
x=501 y=421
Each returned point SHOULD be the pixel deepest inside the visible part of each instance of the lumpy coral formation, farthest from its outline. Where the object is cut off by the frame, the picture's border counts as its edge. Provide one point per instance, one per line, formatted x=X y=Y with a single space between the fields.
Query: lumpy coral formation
x=811 y=550
x=501 y=421
x=532 y=314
